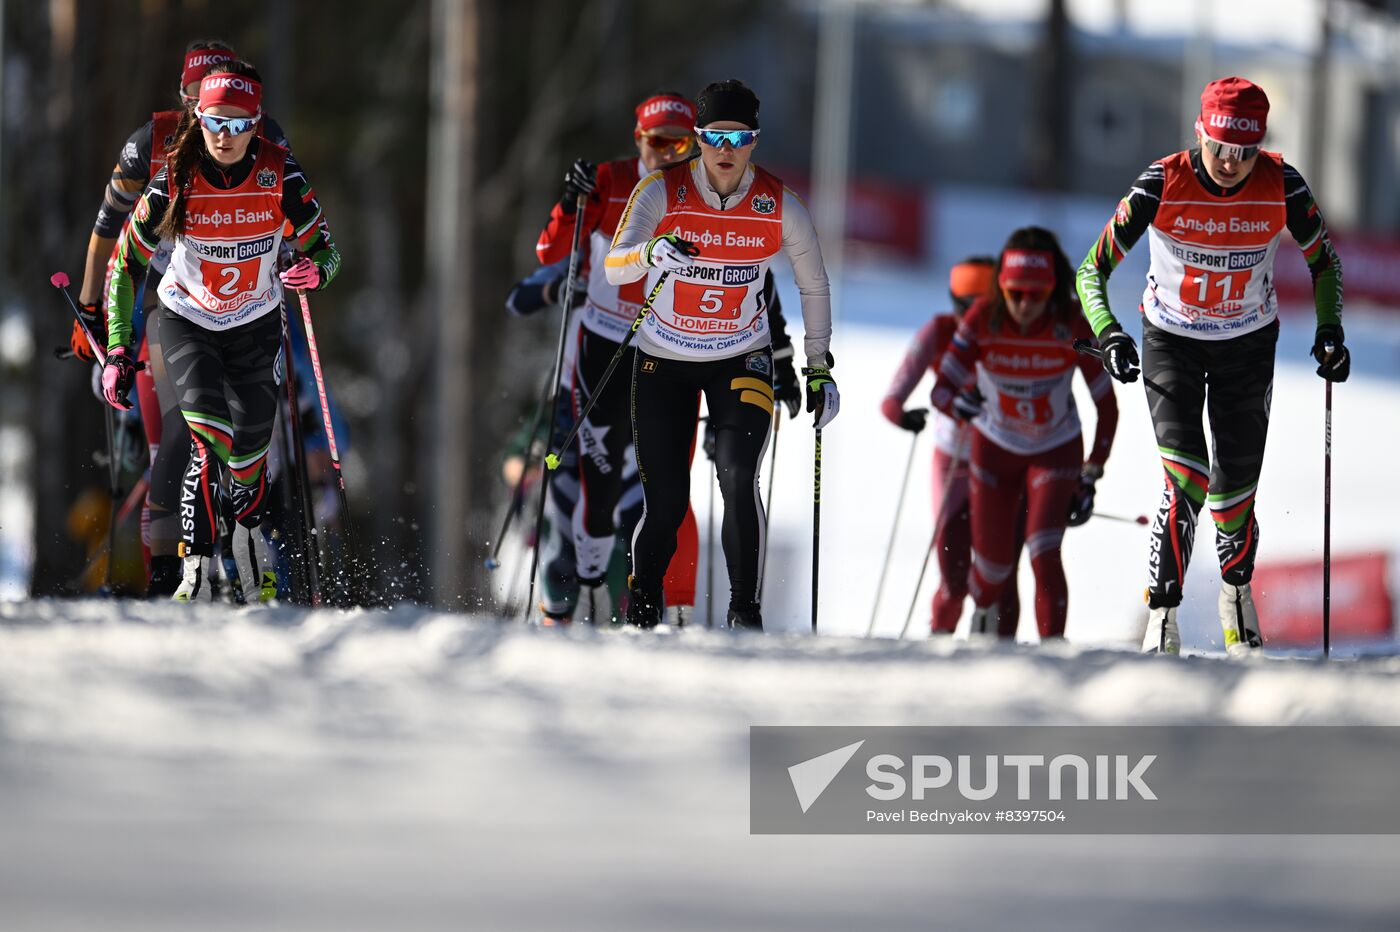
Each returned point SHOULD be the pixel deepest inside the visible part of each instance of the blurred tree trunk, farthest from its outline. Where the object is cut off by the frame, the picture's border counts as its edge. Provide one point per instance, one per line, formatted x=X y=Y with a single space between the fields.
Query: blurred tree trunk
x=452 y=129
x=1054 y=102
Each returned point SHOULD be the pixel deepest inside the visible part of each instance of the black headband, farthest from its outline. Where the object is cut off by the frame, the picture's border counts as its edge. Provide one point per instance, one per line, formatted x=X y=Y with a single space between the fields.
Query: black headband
x=727 y=106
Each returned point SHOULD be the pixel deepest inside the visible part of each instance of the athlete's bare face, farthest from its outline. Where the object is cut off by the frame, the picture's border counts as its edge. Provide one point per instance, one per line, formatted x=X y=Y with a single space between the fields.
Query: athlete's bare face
x=224 y=148
x=725 y=165
x=1226 y=172
x=672 y=144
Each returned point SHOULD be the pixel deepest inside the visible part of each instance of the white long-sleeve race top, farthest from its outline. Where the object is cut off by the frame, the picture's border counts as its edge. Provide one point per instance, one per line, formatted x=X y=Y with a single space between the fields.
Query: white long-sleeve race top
x=714 y=308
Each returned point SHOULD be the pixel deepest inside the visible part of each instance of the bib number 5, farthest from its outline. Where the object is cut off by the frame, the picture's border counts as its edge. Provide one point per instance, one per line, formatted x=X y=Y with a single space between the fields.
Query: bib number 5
x=692 y=300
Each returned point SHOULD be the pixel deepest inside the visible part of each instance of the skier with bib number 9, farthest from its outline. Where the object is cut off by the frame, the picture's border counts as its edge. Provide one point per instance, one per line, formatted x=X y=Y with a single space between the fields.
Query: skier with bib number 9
x=970 y=279
x=712 y=226
x=224 y=199
x=1026 y=445
x=1214 y=216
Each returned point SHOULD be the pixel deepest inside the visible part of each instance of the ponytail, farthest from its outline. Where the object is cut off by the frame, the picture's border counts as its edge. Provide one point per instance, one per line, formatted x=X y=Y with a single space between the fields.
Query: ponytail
x=186 y=155
x=181 y=163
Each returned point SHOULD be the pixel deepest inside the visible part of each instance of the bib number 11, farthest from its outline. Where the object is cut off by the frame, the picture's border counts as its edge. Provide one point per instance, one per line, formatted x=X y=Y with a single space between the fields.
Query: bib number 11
x=1205 y=288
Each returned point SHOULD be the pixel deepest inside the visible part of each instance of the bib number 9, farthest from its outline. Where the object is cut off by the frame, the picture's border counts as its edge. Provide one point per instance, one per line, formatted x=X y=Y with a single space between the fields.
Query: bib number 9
x=1034 y=410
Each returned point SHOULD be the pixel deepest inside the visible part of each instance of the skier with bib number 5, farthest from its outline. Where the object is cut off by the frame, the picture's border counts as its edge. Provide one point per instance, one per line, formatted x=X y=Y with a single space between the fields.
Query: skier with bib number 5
x=224 y=199
x=711 y=227
x=1214 y=216
x=663 y=135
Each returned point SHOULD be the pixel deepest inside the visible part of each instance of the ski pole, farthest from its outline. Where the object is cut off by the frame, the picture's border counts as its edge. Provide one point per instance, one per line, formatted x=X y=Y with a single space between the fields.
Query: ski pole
x=894 y=530
x=816 y=525
x=330 y=439
x=939 y=521
x=309 y=543
x=708 y=445
x=1327 y=521
x=1140 y=519
x=772 y=481
x=552 y=459
x=517 y=493
x=568 y=306
x=1088 y=349
x=115 y=436
x=60 y=281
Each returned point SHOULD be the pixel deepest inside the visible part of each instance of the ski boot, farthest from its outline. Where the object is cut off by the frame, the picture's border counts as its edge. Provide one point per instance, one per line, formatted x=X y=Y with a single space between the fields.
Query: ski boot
x=234 y=571
x=596 y=600
x=744 y=617
x=1239 y=621
x=1162 y=635
x=191 y=574
x=260 y=583
x=984 y=623
x=165 y=577
x=645 y=608
x=677 y=616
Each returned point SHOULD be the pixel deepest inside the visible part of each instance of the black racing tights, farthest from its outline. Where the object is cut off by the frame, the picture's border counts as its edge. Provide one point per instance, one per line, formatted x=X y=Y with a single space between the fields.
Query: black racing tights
x=739 y=394
x=1231 y=382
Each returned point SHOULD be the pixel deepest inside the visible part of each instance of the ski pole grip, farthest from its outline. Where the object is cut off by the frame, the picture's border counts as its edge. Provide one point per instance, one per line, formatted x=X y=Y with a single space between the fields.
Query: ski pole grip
x=1088 y=349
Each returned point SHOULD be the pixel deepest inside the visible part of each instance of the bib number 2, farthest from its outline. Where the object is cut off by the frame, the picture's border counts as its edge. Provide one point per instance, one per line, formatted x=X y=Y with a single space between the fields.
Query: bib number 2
x=228 y=280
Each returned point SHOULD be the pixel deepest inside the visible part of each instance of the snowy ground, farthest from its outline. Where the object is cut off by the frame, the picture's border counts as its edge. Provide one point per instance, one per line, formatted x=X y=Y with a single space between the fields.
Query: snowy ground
x=292 y=770
x=319 y=771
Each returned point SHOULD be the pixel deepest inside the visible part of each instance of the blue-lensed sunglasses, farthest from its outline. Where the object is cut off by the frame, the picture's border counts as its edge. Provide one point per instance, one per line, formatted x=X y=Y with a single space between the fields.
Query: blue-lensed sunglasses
x=738 y=138
x=234 y=126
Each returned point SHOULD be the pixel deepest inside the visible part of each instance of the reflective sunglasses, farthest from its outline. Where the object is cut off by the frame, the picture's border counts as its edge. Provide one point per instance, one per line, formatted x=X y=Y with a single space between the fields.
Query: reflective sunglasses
x=676 y=145
x=234 y=126
x=1223 y=150
x=1022 y=295
x=737 y=138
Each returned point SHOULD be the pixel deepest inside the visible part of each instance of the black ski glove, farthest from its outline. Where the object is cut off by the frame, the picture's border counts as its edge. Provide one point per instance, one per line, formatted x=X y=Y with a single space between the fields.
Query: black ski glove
x=914 y=420
x=1333 y=358
x=823 y=398
x=786 y=388
x=1081 y=503
x=1120 y=355
x=968 y=404
x=581 y=178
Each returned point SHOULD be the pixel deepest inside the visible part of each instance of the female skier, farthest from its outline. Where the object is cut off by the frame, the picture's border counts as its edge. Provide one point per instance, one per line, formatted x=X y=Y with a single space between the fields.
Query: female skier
x=223 y=199
x=663 y=135
x=712 y=226
x=140 y=160
x=973 y=278
x=1214 y=216
x=1026 y=446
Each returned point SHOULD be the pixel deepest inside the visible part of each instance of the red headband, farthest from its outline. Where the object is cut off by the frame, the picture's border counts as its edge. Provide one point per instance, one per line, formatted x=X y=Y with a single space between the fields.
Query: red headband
x=1027 y=268
x=230 y=90
x=198 y=63
x=665 y=110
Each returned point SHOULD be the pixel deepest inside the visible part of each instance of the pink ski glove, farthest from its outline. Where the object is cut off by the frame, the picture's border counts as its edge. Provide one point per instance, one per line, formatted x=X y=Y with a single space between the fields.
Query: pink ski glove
x=118 y=377
x=304 y=275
